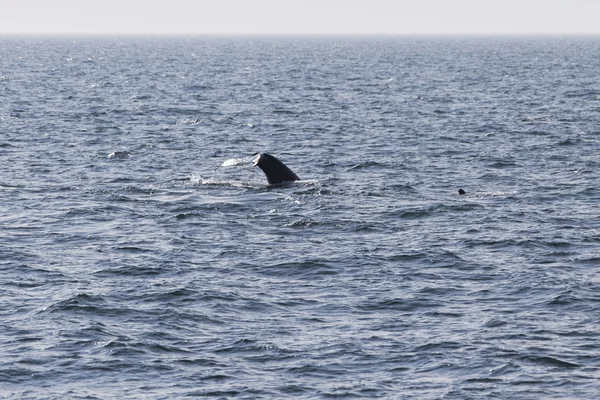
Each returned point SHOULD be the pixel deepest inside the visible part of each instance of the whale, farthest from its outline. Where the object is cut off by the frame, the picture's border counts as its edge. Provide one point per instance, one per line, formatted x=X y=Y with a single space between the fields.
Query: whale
x=276 y=171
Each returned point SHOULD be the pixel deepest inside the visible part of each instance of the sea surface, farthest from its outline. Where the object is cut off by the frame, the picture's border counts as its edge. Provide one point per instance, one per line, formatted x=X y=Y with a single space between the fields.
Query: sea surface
x=143 y=256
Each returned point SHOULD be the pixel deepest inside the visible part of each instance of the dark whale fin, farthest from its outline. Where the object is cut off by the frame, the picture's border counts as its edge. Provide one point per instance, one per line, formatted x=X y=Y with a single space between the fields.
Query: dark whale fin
x=275 y=170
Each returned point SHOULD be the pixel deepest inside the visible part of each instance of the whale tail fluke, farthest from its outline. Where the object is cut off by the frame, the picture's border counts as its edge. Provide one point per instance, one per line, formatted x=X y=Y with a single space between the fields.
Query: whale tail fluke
x=276 y=171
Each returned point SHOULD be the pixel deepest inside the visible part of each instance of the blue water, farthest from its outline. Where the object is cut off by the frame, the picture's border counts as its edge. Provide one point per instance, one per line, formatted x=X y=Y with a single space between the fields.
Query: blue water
x=134 y=265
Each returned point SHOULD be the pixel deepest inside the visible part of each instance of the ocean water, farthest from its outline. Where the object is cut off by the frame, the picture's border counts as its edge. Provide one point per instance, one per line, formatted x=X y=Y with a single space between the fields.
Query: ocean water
x=142 y=256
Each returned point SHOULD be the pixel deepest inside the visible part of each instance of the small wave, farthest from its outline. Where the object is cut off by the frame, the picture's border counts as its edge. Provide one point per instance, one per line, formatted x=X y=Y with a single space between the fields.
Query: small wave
x=564 y=299
x=365 y=164
x=11 y=185
x=569 y=142
x=594 y=260
x=191 y=121
x=129 y=270
x=133 y=249
x=503 y=164
x=306 y=269
x=397 y=304
x=119 y=154
x=188 y=215
x=532 y=118
x=550 y=361
x=591 y=93
x=305 y=223
x=77 y=302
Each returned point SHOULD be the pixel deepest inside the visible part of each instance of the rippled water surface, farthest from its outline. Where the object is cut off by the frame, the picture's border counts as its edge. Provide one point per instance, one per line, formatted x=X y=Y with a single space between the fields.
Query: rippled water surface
x=141 y=256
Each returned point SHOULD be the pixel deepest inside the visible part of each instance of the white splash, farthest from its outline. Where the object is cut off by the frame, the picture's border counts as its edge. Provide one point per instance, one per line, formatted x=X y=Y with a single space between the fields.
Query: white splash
x=197 y=180
x=235 y=161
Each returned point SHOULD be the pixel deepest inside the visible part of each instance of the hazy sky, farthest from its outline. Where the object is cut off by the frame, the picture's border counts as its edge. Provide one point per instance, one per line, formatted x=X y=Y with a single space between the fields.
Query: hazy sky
x=300 y=16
